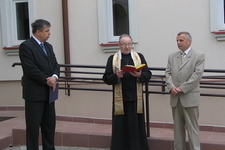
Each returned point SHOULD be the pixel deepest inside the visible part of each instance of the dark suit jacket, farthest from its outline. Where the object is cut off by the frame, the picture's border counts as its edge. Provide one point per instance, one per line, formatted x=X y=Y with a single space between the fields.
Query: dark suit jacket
x=36 y=68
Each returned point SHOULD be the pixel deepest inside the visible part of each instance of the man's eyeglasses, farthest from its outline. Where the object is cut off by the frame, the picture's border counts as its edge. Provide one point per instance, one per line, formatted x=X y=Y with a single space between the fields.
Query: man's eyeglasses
x=125 y=45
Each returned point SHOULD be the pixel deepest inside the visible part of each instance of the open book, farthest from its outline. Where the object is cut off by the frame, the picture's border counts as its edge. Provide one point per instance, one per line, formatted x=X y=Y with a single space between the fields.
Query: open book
x=131 y=68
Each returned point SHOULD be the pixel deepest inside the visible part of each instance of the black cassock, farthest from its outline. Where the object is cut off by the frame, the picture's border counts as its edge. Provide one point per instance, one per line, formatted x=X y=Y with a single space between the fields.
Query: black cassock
x=128 y=130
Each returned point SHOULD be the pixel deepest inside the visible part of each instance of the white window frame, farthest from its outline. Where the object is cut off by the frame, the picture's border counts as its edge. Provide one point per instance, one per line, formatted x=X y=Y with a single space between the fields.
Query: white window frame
x=217 y=15
x=105 y=20
x=8 y=21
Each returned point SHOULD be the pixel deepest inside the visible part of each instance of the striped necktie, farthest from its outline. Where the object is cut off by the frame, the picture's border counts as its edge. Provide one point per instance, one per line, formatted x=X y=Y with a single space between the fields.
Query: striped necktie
x=182 y=57
x=43 y=48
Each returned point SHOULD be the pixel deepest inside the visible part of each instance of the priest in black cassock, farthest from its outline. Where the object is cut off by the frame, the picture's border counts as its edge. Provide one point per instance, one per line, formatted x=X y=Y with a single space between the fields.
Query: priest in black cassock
x=128 y=124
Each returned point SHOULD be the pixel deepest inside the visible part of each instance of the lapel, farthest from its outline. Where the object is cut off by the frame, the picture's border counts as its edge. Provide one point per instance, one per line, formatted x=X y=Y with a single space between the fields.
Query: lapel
x=38 y=48
x=186 y=60
x=178 y=56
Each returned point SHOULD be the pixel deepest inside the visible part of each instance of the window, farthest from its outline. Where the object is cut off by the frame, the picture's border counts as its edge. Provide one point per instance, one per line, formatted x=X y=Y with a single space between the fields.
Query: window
x=120 y=17
x=116 y=17
x=22 y=20
x=224 y=12
x=217 y=15
x=15 y=16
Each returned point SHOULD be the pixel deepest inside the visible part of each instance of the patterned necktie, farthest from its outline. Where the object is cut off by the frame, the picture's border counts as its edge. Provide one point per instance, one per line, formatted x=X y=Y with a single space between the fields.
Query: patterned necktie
x=43 y=48
x=182 y=57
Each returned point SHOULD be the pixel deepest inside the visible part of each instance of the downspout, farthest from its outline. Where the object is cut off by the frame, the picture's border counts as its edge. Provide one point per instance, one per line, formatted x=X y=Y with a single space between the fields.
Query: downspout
x=66 y=42
x=66 y=36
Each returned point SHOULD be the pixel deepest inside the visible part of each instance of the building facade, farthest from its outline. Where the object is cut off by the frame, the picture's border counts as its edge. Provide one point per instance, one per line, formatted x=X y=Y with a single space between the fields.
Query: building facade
x=94 y=27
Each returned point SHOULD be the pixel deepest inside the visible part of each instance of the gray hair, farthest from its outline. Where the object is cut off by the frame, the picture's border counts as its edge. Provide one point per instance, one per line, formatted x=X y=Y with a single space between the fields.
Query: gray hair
x=125 y=35
x=39 y=24
x=187 y=34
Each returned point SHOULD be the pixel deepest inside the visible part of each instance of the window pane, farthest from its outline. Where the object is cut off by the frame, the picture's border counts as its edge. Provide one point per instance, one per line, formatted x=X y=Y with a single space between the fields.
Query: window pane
x=224 y=11
x=120 y=17
x=22 y=19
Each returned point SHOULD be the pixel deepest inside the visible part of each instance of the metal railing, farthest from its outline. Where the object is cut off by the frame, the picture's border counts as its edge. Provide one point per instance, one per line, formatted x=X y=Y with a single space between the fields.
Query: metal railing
x=92 y=74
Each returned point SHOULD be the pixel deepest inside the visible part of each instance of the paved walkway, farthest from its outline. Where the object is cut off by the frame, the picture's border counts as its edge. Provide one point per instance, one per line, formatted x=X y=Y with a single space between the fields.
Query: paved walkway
x=57 y=148
x=84 y=134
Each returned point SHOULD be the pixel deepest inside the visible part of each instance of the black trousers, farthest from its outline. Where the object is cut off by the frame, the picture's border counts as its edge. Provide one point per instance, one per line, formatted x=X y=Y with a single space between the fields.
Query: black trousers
x=38 y=115
x=128 y=130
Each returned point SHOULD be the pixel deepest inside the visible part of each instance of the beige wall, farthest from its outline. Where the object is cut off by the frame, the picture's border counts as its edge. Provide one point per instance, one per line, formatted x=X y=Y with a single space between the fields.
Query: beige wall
x=158 y=24
x=93 y=104
x=11 y=93
x=51 y=10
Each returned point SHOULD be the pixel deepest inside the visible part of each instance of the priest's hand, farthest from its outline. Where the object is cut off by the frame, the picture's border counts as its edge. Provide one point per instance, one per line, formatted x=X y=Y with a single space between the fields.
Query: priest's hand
x=119 y=73
x=136 y=73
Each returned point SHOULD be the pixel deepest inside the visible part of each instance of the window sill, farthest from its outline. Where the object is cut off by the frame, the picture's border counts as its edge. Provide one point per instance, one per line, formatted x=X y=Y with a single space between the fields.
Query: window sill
x=220 y=35
x=12 y=51
x=110 y=47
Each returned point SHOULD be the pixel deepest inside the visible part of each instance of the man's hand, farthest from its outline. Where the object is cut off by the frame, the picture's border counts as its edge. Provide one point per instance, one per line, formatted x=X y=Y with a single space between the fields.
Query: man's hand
x=51 y=81
x=179 y=90
x=54 y=87
x=175 y=90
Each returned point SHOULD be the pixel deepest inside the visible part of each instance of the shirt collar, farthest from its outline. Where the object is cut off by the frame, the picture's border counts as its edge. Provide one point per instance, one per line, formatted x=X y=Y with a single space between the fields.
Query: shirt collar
x=120 y=54
x=187 y=51
x=36 y=40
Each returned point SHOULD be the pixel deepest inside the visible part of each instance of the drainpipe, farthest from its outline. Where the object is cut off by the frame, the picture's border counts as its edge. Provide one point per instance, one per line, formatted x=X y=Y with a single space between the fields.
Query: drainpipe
x=66 y=36
x=66 y=42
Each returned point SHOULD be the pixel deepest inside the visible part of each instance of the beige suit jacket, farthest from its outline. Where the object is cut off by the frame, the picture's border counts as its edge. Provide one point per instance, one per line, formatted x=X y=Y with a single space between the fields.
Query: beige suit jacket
x=186 y=76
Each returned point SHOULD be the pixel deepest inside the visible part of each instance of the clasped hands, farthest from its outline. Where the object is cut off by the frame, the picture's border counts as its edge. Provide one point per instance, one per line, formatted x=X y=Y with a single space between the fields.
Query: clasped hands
x=175 y=90
x=120 y=73
x=51 y=81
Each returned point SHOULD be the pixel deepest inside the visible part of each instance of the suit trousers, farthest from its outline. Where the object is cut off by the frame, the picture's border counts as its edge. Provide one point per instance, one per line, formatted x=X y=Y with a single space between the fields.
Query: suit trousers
x=40 y=114
x=186 y=118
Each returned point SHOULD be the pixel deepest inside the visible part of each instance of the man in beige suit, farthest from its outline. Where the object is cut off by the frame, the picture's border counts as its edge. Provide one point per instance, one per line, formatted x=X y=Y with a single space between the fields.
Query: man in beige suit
x=182 y=79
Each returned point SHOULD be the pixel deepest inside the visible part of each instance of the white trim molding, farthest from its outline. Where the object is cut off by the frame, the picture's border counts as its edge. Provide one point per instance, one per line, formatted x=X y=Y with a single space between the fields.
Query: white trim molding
x=105 y=24
x=217 y=15
x=10 y=42
x=217 y=22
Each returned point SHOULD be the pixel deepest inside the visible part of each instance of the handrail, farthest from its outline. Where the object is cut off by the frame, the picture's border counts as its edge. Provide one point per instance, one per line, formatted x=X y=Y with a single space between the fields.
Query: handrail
x=158 y=80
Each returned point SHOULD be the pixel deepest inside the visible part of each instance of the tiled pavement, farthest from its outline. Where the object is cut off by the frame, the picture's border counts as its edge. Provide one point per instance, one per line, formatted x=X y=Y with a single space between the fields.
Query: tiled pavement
x=87 y=135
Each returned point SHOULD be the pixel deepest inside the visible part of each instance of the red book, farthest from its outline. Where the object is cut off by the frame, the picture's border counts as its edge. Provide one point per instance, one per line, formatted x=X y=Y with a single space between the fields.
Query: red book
x=131 y=68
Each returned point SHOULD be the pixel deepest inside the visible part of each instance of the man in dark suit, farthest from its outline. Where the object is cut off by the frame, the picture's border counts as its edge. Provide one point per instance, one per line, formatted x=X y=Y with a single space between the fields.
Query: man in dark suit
x=40 y=72
x=183 y=74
